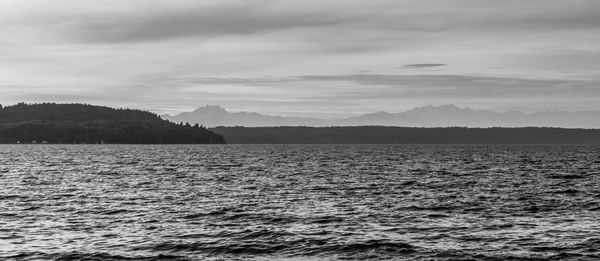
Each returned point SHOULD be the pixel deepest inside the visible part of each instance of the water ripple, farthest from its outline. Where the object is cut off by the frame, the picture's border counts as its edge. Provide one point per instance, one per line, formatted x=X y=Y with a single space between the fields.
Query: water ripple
x=299 y=202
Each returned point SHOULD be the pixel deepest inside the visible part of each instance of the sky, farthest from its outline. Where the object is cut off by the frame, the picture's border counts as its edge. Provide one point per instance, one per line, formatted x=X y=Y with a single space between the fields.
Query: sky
x=302 y=57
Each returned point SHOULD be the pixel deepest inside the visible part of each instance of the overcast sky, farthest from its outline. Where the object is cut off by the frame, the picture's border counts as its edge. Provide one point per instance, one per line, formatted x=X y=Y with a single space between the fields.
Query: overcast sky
x=302 y=57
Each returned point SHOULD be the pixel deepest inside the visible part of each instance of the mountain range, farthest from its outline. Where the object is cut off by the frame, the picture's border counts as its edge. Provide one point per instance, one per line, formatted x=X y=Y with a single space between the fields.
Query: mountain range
x=427 y=116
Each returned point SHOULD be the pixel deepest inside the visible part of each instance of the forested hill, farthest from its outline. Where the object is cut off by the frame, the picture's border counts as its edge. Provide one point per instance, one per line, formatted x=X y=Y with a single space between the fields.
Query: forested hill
x=81 y=123
x=407 y=135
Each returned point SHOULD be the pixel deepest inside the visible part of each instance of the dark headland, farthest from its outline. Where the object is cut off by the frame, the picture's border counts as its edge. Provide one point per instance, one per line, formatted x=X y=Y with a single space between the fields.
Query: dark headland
x=81 y=123
x=407 y=135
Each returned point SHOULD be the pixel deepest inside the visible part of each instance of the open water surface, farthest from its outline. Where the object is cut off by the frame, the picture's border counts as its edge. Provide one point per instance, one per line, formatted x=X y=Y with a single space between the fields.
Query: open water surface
x=299 y=202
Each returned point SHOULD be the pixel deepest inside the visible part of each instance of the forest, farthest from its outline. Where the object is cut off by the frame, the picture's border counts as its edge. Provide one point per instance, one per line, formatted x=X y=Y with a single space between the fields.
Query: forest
x=84 y=123
x=407 y=135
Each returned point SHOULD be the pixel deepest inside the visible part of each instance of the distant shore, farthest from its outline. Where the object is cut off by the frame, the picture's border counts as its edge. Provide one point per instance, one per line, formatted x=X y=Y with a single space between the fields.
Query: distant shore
x=406 y=135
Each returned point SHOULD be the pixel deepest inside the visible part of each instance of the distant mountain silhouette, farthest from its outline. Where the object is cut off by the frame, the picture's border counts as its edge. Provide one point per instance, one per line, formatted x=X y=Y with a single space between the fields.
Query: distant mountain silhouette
x=218 y=116
x=80 y=123
x=428 y=116
x=451 y=115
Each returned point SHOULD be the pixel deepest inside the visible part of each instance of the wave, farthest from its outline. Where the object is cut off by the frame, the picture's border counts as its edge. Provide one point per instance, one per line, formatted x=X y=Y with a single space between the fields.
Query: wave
x=78 y=256
x=264 y=243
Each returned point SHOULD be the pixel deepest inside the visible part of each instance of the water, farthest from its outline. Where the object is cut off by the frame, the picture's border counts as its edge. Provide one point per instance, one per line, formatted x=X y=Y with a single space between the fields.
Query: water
x=299 y=202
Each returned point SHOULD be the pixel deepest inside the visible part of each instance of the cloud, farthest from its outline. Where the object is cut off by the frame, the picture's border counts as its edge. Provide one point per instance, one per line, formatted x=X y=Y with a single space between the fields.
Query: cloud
x=266 y=53
x=141 y=21
x=393 y=92
x=374 y=86
x=197 y=22
x=424 y=65
x=135 y=21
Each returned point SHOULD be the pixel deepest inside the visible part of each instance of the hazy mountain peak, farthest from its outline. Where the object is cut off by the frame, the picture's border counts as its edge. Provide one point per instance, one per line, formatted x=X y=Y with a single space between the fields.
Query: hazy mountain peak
x=379 y=113
x=211 y=109
x=446 y=107
x=450 y=107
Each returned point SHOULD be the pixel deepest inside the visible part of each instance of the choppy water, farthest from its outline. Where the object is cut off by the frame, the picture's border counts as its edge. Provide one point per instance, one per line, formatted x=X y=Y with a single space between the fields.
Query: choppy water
x=299 y=202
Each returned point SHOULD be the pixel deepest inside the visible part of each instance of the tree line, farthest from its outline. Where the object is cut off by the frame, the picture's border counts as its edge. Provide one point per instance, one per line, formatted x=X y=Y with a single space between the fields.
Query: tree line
x=407 y=135
x=84 y=123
